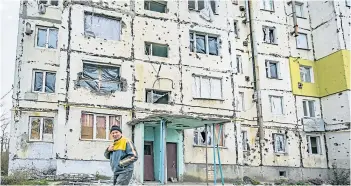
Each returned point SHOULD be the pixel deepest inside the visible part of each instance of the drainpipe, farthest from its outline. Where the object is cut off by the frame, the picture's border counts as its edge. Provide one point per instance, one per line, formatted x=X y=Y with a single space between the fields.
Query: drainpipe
x=296 y=27
x=256 y=78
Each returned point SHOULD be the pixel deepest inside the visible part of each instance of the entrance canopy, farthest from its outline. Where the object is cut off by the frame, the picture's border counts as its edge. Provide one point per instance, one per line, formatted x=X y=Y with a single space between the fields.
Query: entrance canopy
x=178 y=121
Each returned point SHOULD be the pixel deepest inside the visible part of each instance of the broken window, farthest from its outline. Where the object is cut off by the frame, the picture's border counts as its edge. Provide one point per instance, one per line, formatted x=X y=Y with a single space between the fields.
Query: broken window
x=44 y=81
x=103 y=27
x=156 y=49
x=158 y=97
x=97 y=126
x=272 y=69
x=267 y=5
x=269 y=35
x=306 y=74
x=241 y=104
x=308 y=108
x=100 y=78
x=47 y=37
x=279 y=143
x=41 y=128
x=236 y=29
x=301 y=41
x=200 y=136
x=204 y=43
x=207 y=87
x=239 y=64
x=276 y=105
x=244 y=140
x=156 y=6
x=200 y=4
x=314 y=146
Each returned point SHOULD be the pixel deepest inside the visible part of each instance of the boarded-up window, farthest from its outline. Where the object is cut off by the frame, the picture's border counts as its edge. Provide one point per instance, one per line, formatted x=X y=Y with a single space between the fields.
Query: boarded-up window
x=97 y=126
x=207 y=87
x=200 y=136
x=100 y=26
x=279 y=143
x=41 y=128
x=44 y=81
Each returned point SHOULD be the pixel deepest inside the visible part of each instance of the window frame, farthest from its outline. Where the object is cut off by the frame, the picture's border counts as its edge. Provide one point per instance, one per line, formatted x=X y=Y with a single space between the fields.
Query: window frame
x=210 y=78
x=300 y=4
x=44 y=81
x=282 y=104
x=41 y=132
x=197 y=130
x=264 y=6
x=196 y=8
x=47 y=28
x=150 y=52
x=319 y=146
x=242 y=101
x=306 y=103
x=107 y=125
x=118 y=19
x=268 y=69
x=244 y=140
x=307 y=45
x=284 y=143
x=306 y=69
x=239 y=64
x=207 y=47
x=275 y=39
x=157 y=2
x=152 y=92
x=49 y=3
x=348 y=3
x=236 y=29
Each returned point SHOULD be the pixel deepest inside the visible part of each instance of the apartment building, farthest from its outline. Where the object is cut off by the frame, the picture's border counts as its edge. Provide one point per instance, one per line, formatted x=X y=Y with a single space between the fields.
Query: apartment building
x=271 y=85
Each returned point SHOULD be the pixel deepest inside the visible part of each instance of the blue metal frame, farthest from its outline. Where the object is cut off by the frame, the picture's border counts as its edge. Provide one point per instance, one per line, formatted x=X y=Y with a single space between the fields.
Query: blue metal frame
x=215 y=147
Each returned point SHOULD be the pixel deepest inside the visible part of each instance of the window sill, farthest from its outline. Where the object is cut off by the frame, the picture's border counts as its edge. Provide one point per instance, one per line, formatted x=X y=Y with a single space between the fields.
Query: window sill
x=271 y=43
x=275 y=78
x=281 y=153
x=40 y=141
x=45 y=48
x=210 y=146
x=307 y=49
x=301 y=17
x=210 y=99
x=207 y=55
x=271 y=11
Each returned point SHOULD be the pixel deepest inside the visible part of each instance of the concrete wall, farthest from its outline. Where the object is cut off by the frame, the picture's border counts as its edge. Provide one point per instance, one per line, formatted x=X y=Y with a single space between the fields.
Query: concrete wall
x=338 y=144
x=336 y=110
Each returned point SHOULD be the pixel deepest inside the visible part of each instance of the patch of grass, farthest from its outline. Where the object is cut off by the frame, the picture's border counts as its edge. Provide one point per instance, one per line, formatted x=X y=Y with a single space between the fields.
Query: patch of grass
x=16 y=180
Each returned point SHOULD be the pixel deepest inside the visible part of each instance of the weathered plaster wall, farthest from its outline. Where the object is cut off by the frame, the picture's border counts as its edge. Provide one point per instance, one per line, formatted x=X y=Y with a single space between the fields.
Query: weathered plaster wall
x=336 y=114
x=338 y=144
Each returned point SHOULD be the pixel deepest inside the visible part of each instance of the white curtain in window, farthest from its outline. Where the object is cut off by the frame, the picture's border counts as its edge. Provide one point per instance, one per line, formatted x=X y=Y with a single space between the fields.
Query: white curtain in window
x=196 y=87
x=216 y=89
x=205 y=87
x=103 y=27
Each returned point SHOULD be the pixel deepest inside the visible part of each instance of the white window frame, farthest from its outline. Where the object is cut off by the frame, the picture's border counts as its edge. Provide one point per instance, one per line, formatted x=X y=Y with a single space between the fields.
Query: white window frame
x=308 y=69
x=156 y=2
x=207 y=48
x=239 y=64
x=299 y=6
x=41 y=128
x=48 y=3
x=150 y=52
x=265 y=4
x=44 y=81
x=236 y=29
x=197 y=6
x=244 y=140
x=211 y=130
x=306 y=104
x=268 y=69
x=275 y=145
x=47 y=37
x=309 y=144
x=282 y=104
x=209 y=77
x=95 y=115
x=242 y=101
x=296 y=39
x=268 y=40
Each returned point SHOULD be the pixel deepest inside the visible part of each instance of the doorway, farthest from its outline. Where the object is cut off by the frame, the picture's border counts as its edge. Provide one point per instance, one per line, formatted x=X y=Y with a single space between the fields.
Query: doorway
x=171 y=161
x=148 y=161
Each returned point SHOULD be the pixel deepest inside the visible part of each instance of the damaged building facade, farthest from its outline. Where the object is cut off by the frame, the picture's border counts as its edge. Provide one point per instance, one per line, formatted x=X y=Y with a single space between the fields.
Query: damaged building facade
x=276 y=74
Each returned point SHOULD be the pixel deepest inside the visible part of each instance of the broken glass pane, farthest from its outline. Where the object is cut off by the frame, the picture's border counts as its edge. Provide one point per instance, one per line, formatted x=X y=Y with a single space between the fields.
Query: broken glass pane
x=41 y=38
x=191 y=4
x=35 y=129
x=159 y=97
x=90 y=71
x=38 y=81
x=109 y=73
x=159 y=50
x=50 y=80
x=200 y=44
x=48 y=129
x=201 y=4
x=212 y=44
x=52 y=38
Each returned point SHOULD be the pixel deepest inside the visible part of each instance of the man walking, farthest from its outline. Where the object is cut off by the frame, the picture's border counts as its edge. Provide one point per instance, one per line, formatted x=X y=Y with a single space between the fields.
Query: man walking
x=122 y=155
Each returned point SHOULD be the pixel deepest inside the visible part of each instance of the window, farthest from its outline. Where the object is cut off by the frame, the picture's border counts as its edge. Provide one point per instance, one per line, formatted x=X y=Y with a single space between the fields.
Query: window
x=308 y=108
x=244 y=140
x=276 y=105
x=200 y=136
x=267 y=5
x=306 y=74
x=157 y=97
x=103 y=27
x=279 y=143
x=282 y=173
x=299 y=10
x=47 y=37
x=235 y=2
x=100 y=78
x=236 y=29
x=272 y=69
x=41 y=128
x=156 y=6
x=97 y=126
x=156 y=49
x=207 y=87
x=239 y=64
x=314 y=145
x=348 y=3
x=241 y=105
x=203 y=43
x=301 y=41
x=200 y=4
x=51 y=2
x=44 y=81
x=269 y=35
